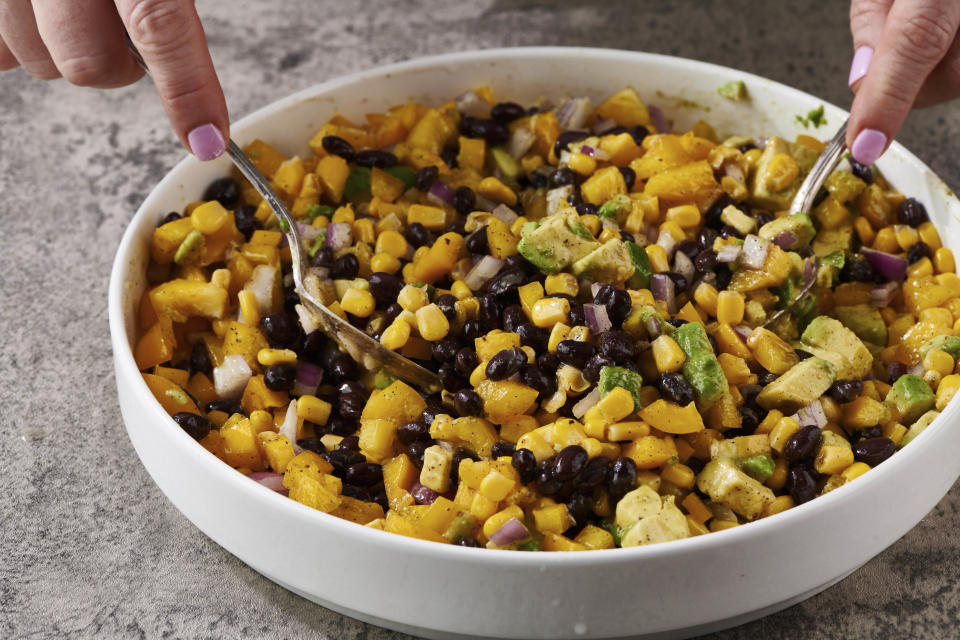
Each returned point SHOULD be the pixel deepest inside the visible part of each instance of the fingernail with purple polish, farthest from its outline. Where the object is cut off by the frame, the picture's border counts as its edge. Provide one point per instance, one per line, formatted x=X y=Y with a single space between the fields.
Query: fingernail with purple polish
x=206 y=142
x=868 y=146
x=861 y=61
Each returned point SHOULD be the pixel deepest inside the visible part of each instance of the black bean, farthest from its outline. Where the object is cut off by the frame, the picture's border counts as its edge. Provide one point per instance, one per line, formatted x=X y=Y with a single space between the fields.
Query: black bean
x=342 y=367
x=280 y=376
x=536 y=378
x=586 y=209
x=346 y=267
x=434 y=408
x=196 y=426
x=638 y=133
x=513 y=318
x=548 y=361
x=447 y=304
x=464 y=200
x=450 y=380
x=801 y=484
x=749 y=419
x=750 y=393
x=350 y=405
x=364 y=474
x=803 y=355
x=532 y=336
x=562 y=177
x=594 y=474
x=856 y=269
x=622 y=477
x=412 y=431
x=385 y=287
x=381 y=499
x=280 y=329
x=579 y=507
x=894 y=371
x=762 y=217
x=575 y=353
x=918 y=251
x=449 y=157
x=517 y=262
x=226 y=405
x=862 y=171
x=616 y=300
x=468 y=542
x=323 y=258
x=706 y=260
x=477 y=243
x=338 y=147
x=705 y=237
x=355 y=492
x=418 y=235
x=226 y=191
x=472 y=330
x=392 y=312
x=566 y=138
x=629 y=176
x=505 y=363
x=425 y=177
x=466 y=361
x=376 y=158
x=803 y=443
x=489 y=313
x=845 y=390
x=200 y=359
x=546 y=483
x=765 y=377
x=729 y=231
x=626 y=236
x=912 y=212
x=349 y=443
x=507 y=111
x=502 y=449
x=416 y=450
x=170 y=217
x=591 y=372
x=467 y=403
x=312 y=444
x=576 y=317
x=712 y=217
x=873 y=451
x=617 y=345
x=676 y=389
x=525 y=464
x=492 y=131
x=444 y=350
x=689 y=247
x=505 y=283
x=245 y=219
x=679 y=281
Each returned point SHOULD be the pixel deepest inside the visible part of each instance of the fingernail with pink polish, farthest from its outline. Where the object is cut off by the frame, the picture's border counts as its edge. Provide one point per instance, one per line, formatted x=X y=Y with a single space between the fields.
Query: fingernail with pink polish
x=206 y=142
x=868 y=146
x=861 y=61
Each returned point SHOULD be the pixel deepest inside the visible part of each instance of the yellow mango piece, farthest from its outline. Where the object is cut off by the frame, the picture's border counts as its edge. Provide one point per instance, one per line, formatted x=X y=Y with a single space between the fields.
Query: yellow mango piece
x=156 y=345
x=256 y=396
x=625 y=108
x=650 y=452
x=357 y=511
x=396 y=523
x=505 y=399
x=264 y=157
x=398 y=403
x=245 y=340
x=692 y=182
x=672 y=418
x=501 y=241
x=333 y=172
x=440 y=259
x=603 y=185
x=179 y=299
x=170 y=395
x=166 y=239
x=433 y=132
x=775 y=270
x=385 y=186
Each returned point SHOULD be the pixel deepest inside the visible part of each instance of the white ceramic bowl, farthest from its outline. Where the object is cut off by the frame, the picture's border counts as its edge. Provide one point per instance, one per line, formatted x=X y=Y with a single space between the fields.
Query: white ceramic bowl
x=665 y=590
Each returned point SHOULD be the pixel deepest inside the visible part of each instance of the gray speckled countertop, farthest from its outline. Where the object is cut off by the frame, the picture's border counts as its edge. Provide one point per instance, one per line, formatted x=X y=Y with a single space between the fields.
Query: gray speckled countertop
x=89 y=545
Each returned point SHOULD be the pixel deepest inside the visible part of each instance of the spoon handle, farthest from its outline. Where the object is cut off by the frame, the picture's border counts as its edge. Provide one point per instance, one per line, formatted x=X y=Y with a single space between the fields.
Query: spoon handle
x=826 y=163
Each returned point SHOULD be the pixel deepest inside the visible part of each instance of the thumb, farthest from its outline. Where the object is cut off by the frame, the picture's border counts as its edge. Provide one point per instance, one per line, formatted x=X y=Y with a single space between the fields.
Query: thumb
x=170 y=38
x=915 y=37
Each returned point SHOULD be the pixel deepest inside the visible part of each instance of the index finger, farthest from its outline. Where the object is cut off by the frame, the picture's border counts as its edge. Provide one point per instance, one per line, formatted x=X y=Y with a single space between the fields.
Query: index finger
x=171 y=40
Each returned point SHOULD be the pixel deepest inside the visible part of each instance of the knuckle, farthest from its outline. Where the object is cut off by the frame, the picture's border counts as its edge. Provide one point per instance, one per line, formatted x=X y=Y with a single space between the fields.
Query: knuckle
x=92 y=70
x=183 y=95
x=157 y=25
x=926 y=36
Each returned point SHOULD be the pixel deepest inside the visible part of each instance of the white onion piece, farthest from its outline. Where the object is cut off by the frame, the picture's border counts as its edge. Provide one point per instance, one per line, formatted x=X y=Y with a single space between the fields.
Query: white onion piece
x=743 y=331
x=261 y=283
x=586 y=402
x=511 y=531
x=754 y=253
x=658 y=119
x=597 y=318
x=270 y=480
x=729 y=253
x=602 y=124
x=484 y=204
x=595 y=288
x=230 y=378
x=289 y=426
x=505 y=213
x=595 y=153
x=664 y=289
x=668 y=243
x=482 y=271
x=307 y=323
x=556 y=198
x=610 y=223
x=520 y=142
x=308 y=233
x=812 y=414
x=916 y=370
x=339 y=235
x=470 y=104
x=883 y=295
x=683 y=265
x=733 y=171
x=573 y=113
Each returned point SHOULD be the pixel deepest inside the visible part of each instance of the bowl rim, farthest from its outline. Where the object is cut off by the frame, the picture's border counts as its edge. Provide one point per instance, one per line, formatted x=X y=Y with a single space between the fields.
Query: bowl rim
x=196 y=454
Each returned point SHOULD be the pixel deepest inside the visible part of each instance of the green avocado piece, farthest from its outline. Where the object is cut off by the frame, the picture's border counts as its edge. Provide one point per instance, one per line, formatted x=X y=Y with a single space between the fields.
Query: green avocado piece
x=408 y=175
x=844 y=186
x=911 y=396
x=191 y=248
x=357 y=186
x=701 y=369
x=917 y=427
x=734 y=90
x=642 y=271
x=554 y=245
x=616 y=208
x=505 y=162
x=802 y=383
x=610 y=263
x=760 y=468
x=693 y=339
x=829 y=334
x=831 y=241
x=760 y=192
x=865 y=321
x=798 y=224
x=950 y=344
x=461 y=527
x=611 y=377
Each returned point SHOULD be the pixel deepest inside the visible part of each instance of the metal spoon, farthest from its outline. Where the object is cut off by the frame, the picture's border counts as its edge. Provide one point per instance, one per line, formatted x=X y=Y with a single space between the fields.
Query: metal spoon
x=365 y=350
x=803 y=203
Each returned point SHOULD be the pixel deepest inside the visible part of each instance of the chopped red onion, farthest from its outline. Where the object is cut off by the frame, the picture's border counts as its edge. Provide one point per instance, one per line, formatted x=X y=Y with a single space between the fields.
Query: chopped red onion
x=659 y=120
x=520 y=142
x=270 y=480
x=308 y=233
x=663 y=288
x=595 y=288
x=916 y=370
x=652 y=233
x=683 y=265
x=602 y=124
x=230 y=378
x=469 y=103
x=883 y=295
x=573 y=113
x=593 y=152
x=587 y=401
x=785 y=240
x=307 y=380
x=654 y=325
x=289 y=426
x=667 y=241
x=754 y=253
x=505 y=213
x=440 y=193
x=743 y=331
x=729 y=253
x=482 y=271
x=511 y=531
x=597 y=318
x=812 y=414
x=888 y=265
x=810 y=267
x=339 y=236
x=422 y=494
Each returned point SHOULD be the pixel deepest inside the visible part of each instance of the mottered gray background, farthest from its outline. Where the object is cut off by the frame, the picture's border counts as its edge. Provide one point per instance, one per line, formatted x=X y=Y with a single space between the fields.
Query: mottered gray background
x=89 y=547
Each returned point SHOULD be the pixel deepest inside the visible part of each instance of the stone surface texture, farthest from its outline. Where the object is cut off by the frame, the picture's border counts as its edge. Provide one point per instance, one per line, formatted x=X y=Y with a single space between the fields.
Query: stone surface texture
x=90 y=548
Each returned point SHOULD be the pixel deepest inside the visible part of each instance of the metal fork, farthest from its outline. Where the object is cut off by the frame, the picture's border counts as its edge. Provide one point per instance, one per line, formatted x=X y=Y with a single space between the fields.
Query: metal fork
x=365 y=350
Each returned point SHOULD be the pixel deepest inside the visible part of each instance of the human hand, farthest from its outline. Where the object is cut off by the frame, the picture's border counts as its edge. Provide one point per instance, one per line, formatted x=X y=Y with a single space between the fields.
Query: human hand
x=85 y=43
x=906 y=54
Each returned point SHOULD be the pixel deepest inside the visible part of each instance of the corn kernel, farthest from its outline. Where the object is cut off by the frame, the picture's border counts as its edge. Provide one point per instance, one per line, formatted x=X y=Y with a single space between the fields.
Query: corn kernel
x=658 y=258
x=920 y=268
x=895 y=431
x=854 y=471
x=928 y=234
x=344 y=214
x=778 y=479
x=500 y=518
x=667 y=354
x=460 y=290
x=782 y=171
x=779 y=505
x=937 y=315
x=549 y=311
x=784 y=428
x=479 y=374
x=565 y=283
x=730 y=306
x=313 y=409
x=482 y=507
x=592 y=223
x=886 y=240
x=943 y=261
x=433 y=218
x=268 y=357
x=696 y=528
x=932 y=378
x=833 y=458
x=906 y=235
x=735 y=369
x=679 y=474
x=420 y=253
x=674 y=230
x=696 y=508
x=516 y=227
x=359 y=302
x=687 y=216
x=249 y=307
x=622 y=431
x=608 y=234
x=385 y=263
x=412 y=298
x=432 y=323
x=940 y=361
x=496 y=486
x=396 y=335
x=864 y=231
x=707 y=297
x=392 y=242
x=579 y=333
x=408 y=274
x=221 y=278
x=770 y=351
x=720 y=525
x=582 y=163
x=363 y=230
x=495 y=190
x=948 y=388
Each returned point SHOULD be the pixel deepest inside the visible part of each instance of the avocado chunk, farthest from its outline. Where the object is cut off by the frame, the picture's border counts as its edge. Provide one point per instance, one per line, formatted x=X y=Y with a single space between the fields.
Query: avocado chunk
x=803 y=383
x=701 y=369
x=616 y=208
x=911 y=396
x=760 y=468
x=845 y=370
x=866 y=322
x=505 y=162
x=830 y=241
x=734 y=90
x=829 y=334
x=917 y=427
x=844 y=186
x=641 y=266
x=726 y=483
x=761 y=194
x=461 y=527
x=610 y=263
x=611 y=377
x=556 y=243
x=798 y=225
x=950 y=344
